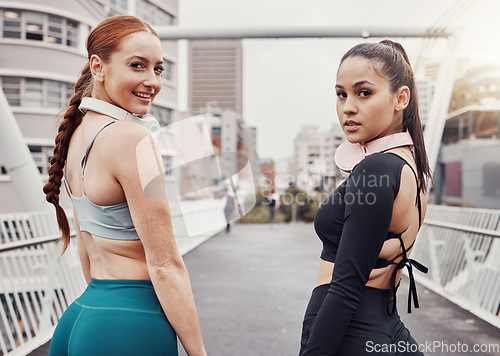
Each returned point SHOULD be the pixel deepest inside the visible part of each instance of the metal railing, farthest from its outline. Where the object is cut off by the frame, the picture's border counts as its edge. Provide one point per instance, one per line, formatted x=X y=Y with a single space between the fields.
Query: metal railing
x=461 y=248
x=37 y=284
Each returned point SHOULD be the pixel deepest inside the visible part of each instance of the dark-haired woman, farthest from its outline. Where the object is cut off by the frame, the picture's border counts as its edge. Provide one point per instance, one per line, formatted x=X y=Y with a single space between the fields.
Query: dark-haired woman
x=138 y=298
x=369 y=224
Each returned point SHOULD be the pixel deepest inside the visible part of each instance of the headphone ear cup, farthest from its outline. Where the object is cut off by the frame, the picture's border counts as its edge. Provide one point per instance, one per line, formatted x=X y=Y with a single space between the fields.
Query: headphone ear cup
x=150 y=122
x=347 y=155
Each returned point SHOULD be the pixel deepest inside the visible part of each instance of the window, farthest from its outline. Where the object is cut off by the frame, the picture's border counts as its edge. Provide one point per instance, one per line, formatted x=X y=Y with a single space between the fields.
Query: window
x=116 y=7
x=37 y=26
x=54 y=93
x=34 y=26
x=55 y=32
x=69 y=90
x=41 y=156
x=36 y=92
x=152 y=14
x=163 y=115
x=491 y=181
x=32 y=92
x=11 y=24
x=12 y=89
x=71 y=33
x=453 y=178
x=168 y=66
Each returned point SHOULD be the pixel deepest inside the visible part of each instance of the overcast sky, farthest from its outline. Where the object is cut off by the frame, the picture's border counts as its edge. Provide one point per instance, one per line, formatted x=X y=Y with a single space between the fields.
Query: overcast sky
x=288 y=83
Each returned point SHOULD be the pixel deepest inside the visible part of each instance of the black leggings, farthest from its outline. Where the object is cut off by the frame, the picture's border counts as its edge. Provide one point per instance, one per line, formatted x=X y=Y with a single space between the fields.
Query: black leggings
x=371 y=331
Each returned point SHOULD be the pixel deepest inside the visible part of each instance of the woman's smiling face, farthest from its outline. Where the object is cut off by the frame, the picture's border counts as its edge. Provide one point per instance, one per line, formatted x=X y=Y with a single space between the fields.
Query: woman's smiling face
x=366 y=106
x=131 y=78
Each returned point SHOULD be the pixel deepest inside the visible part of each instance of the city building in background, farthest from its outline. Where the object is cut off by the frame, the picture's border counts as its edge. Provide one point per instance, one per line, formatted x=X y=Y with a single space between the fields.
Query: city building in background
x=42 y=54
x=215 y=74
x=215 y=83
x=425 y=88
x=469 y=167
x=267 y=173
x=314 y=162
x=233 y=142
x=468 y=171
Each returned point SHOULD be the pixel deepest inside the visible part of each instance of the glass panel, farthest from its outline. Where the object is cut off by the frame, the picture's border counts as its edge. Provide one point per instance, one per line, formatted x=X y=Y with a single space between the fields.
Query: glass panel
x=33 y=92
x=54 y=94
x=11 y=91
x=55 y=29
x=167 y=73
x=69 y=91
x=14 y=101
x=11 y=80
x=52 y=84
x=34 y=26
x=33 y=82
x=11 y=24
x=11 y=14
x=72 y=33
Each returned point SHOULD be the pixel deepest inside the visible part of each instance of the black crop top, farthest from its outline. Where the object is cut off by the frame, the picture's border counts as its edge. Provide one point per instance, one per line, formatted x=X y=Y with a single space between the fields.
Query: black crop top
x=353 y=224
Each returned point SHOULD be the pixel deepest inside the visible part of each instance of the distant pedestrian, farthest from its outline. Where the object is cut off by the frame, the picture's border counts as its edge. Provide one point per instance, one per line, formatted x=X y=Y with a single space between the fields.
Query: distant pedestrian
x=273 y=203
x=230 y=209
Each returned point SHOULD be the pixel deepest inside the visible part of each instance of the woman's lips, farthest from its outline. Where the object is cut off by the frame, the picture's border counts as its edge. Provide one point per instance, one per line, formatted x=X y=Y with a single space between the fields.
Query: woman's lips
x=350 y=125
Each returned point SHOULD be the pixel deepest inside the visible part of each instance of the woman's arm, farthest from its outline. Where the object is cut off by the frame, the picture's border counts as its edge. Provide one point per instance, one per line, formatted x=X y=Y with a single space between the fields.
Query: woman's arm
x=369 y=199
x=140 y=173
x=82 y=251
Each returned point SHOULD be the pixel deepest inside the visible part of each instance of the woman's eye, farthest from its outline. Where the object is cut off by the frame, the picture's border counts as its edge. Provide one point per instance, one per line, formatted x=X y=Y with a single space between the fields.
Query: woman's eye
x=137 y=65
x=159 y=69
x=341 y=95
x=365 y=93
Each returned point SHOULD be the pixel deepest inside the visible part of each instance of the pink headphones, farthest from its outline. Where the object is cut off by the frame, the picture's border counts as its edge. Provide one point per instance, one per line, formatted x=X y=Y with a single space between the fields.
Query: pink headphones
x=349 y=154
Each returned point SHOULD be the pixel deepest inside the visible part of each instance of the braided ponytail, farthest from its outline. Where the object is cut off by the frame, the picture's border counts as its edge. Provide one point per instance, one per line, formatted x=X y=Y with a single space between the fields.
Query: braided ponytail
x=71 y=120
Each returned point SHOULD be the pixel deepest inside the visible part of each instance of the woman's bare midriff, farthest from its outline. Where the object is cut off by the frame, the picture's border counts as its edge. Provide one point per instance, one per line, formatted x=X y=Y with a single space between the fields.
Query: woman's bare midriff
x=115 y=259
x=401 y=221
x=379 y=278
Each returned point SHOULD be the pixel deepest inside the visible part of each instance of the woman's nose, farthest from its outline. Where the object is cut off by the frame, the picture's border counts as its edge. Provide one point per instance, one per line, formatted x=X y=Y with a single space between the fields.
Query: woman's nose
x=152 y=80
x=349 y=106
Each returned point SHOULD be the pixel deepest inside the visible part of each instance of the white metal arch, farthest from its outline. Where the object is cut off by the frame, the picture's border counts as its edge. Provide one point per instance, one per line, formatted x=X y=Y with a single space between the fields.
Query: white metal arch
x=24 y=173
x=441 y=99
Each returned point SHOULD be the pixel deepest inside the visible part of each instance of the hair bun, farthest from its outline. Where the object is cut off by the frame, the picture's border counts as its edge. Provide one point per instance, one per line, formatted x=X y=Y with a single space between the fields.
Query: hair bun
x=398 y=47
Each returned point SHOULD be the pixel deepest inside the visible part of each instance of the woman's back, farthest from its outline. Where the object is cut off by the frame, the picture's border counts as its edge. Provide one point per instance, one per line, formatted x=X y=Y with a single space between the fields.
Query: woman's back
x=109 y=258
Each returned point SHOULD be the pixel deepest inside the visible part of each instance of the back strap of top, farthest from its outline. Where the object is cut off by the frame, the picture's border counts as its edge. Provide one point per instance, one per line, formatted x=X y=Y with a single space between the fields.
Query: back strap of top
x=84 y=159
x=418 y=201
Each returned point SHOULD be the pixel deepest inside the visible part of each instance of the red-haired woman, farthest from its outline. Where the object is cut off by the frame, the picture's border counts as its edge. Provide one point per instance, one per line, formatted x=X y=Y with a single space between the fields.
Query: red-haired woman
x=138 y=297
x=369 y=224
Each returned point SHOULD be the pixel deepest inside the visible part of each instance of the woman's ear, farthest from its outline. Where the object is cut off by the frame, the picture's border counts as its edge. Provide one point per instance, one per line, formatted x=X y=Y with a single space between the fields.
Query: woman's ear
x=402 y=98
x=97 y=69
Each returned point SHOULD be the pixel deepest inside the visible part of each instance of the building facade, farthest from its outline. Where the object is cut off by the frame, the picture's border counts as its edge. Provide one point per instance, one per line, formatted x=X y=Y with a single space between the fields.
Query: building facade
x=314 y=158
x=215 y=74
x=468 y=173
x=42 y=51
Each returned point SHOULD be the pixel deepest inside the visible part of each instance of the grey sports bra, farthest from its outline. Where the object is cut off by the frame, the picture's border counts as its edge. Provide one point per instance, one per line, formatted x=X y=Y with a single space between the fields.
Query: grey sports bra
x=108 y=221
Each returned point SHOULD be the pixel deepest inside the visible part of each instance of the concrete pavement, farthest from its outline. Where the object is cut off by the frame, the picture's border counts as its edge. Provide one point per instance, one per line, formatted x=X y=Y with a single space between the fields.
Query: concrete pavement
x=252 y=286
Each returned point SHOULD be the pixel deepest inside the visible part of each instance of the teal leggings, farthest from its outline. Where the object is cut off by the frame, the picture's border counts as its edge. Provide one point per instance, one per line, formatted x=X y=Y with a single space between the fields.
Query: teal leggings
x=115 y=317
